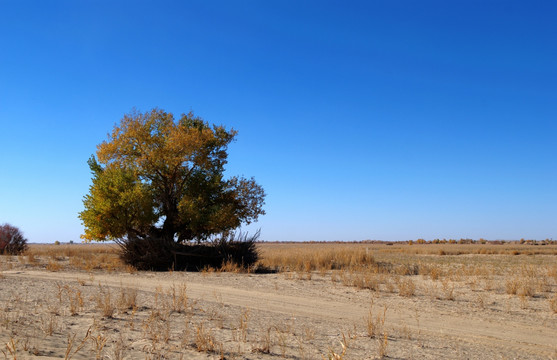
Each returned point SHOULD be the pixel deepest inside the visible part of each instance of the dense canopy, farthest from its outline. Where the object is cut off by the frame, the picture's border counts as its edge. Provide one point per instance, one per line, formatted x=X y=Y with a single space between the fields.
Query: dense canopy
x=158 y=177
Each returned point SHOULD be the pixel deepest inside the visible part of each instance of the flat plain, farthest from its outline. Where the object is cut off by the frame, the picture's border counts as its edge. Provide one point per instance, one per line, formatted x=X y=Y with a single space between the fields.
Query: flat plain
x=304 y=301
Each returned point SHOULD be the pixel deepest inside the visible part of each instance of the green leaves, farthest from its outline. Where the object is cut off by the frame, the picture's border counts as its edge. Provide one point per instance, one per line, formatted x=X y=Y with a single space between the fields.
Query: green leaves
x=118 y=204
x=155 y=175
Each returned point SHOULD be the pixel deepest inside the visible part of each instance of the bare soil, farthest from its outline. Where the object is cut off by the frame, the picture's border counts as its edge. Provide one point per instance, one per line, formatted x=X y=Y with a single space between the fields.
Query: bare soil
x=262 y=316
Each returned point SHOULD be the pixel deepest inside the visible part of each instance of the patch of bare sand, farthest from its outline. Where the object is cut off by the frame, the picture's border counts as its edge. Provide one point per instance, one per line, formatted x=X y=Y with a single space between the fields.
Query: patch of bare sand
x=247 y=316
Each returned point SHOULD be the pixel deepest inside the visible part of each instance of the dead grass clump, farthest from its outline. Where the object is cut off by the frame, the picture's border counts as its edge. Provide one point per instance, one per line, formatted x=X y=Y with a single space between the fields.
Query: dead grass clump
x=98 y=343
x=407 y=269
x=104 y=302
x=521 y=286
x=434 y=272
x=204 y=339
x=70 y=351
x=49 y=323
x=157 y=327
x=31 y=258
x=53 y=266
x=527 y=288
x=448 y=289
x=481 y=300
x=375 y=325
x=127 y=299
x=264 y=344
x=231 y=267
x=367 y=280
x=553 y=304
x=11 y=348
x=406 y=286
x=552 y=273
x=511 y=286
x=75 y=301
x=242 y=329
x=333 y=355
x=178 y=298
x=383 y=344
x=375 y=328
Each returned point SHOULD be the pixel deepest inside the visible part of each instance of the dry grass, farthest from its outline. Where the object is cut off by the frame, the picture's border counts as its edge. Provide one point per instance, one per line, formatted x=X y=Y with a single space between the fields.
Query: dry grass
x=127 y=299
x=553 y=303
x=375 y=325
x=406 y=286
x=392 y=268
x=87 y=257
x=525 y=270
x=335 y=255
x=105 y=303
x=304 y=257
x=510 y=278
x=204 y=339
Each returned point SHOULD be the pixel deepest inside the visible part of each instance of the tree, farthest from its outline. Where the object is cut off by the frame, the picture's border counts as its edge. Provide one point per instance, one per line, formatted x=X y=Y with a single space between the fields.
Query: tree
x=11 y=240
x=157 y=178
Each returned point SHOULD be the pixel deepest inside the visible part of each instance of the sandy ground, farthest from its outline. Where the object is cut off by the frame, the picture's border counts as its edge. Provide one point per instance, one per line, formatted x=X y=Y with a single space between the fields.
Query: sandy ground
x=259 y=316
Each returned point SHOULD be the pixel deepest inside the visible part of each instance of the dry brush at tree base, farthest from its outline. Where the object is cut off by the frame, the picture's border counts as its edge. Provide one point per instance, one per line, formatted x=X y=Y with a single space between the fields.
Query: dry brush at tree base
x=153 y=254
x=326 y=301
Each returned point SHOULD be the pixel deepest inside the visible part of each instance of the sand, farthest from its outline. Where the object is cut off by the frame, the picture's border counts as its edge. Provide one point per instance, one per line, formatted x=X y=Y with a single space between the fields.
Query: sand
x=261 y=316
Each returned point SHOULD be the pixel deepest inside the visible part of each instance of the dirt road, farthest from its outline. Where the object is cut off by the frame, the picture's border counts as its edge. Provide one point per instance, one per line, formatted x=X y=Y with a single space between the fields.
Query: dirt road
x=418 y=327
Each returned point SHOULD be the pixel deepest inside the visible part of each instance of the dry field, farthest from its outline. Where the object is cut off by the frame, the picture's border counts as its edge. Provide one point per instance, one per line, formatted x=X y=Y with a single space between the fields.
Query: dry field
x=322 y=301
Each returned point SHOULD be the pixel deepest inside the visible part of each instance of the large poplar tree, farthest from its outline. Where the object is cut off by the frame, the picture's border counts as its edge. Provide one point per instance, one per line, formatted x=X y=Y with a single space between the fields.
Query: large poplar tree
x=157 y=177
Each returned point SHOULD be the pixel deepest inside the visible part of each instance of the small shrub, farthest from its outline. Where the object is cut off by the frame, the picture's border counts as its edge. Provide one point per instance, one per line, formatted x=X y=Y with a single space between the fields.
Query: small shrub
x=12 y=241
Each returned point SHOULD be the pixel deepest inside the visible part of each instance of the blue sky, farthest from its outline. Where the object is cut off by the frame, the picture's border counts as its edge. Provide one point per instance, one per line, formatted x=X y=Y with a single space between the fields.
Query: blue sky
x=388 y=120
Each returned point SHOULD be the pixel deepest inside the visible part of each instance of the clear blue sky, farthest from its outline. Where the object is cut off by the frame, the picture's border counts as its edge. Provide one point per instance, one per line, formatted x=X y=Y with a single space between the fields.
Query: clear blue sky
x=388 y=120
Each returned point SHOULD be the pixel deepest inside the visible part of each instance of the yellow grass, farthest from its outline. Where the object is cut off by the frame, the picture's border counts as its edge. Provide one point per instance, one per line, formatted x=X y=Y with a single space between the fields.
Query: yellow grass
x=521 y=270
x=86 y=257
x=505 y=278
x=525 y=270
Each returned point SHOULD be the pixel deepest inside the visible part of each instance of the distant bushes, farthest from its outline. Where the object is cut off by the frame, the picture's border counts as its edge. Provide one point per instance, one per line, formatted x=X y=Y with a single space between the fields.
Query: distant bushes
x=12 y=241
x=152 y=253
